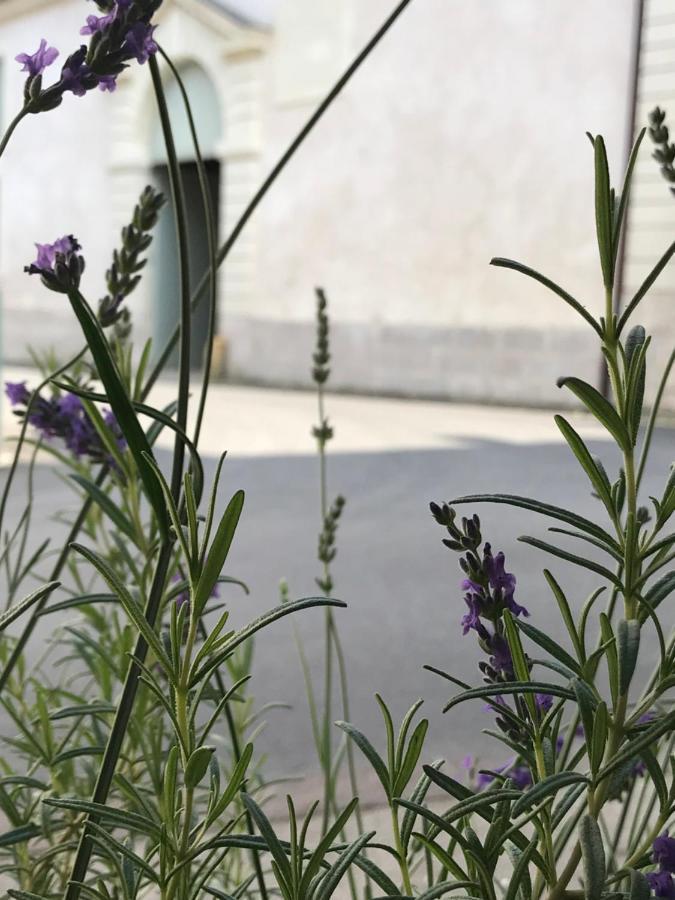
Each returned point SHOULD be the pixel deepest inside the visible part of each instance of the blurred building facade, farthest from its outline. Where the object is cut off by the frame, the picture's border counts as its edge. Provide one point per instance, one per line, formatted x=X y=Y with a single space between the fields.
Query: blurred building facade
x=461 y=138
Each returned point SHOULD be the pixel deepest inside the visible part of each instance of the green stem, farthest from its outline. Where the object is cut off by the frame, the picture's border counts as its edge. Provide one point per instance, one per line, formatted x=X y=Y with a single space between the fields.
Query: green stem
x=119 y=726
x=10 y=128
x=402 y=861
x=597 y=798
x=180 y=221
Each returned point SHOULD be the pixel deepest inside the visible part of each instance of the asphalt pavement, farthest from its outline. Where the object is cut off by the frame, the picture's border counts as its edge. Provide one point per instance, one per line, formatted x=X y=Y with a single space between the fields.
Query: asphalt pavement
x=401 y=585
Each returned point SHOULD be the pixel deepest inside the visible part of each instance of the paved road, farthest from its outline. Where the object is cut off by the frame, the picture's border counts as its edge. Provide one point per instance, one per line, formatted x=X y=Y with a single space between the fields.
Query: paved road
x=400 y=583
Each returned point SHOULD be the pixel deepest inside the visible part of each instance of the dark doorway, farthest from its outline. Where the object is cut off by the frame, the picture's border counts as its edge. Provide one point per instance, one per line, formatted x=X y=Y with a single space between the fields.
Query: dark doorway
x=167 y=291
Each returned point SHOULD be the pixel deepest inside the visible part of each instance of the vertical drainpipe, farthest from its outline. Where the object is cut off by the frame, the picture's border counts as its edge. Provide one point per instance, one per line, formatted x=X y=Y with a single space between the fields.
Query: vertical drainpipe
x=638 y=21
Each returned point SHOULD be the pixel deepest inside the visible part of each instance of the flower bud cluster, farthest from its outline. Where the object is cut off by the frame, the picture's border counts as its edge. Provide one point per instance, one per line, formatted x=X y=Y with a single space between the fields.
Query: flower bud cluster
x=123 y=275
x=664 y=153
x=327 y=547
x=123 y=33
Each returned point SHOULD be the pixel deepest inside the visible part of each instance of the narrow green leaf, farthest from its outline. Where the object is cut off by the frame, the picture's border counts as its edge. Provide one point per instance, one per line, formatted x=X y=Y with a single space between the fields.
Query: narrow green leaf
x=370 y=753
x=109 y=508
x=633 y=748
x=513 y=687
x=628 y=646
x=84 y=709
x=587 y=704
x=197 y=765
x=389 y=729
x=593 y=857
x=566 y=614
x=625 y=193
x=599 y=736
x=19 y=835
x=544 y=509
x=548 y=644
x=571 y=557
x=326 y=842
x=658 y=779
x=130 y=821
x=411 y=757
x=660 y=590
x=611 y=655
x=217 y=554
x=374 y=872
x=332 y=878
x=131 y=607
x=417 y=796
x=603 y=213
x=548 y=787
x=601 y=408
x=551 y=285
x=484 y=800
x=637 y=344
x=403 y=731
x=519 y=885
x=14 y=612
x=256 y=625
x=268 y=834
x=596 y=475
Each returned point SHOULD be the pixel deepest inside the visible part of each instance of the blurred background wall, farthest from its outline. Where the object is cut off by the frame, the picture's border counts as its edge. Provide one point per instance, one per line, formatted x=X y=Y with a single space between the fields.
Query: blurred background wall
x=462 y=137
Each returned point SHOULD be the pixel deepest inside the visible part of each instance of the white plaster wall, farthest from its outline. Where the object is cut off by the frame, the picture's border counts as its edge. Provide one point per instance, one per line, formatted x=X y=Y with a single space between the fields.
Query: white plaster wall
x=461 y=138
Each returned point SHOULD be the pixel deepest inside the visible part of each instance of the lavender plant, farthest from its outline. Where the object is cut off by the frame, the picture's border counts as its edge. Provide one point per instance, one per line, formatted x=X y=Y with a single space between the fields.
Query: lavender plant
x=132 y=772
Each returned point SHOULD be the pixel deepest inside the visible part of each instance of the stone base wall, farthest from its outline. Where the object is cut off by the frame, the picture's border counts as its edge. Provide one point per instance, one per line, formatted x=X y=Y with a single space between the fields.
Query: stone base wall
x=511 y=366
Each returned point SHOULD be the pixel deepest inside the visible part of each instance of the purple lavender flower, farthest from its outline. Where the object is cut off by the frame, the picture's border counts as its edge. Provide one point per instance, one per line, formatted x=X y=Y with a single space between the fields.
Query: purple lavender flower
x=17 y=392
x=500 y=655
x=664 y=852
x=521 y=777
x=59 y=264
x=36 y=63
x=76 y=76
x=107 y=83
x=489 y=598
x=662 y=884
x=139 y=41
x=97 y=23
x=543 y=701
x=46 y=256
x=471 y=619
x=499 y=579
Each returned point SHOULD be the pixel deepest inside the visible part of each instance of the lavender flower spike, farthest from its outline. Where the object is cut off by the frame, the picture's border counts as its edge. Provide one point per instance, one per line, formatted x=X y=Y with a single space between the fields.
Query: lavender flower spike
x=36 y=63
